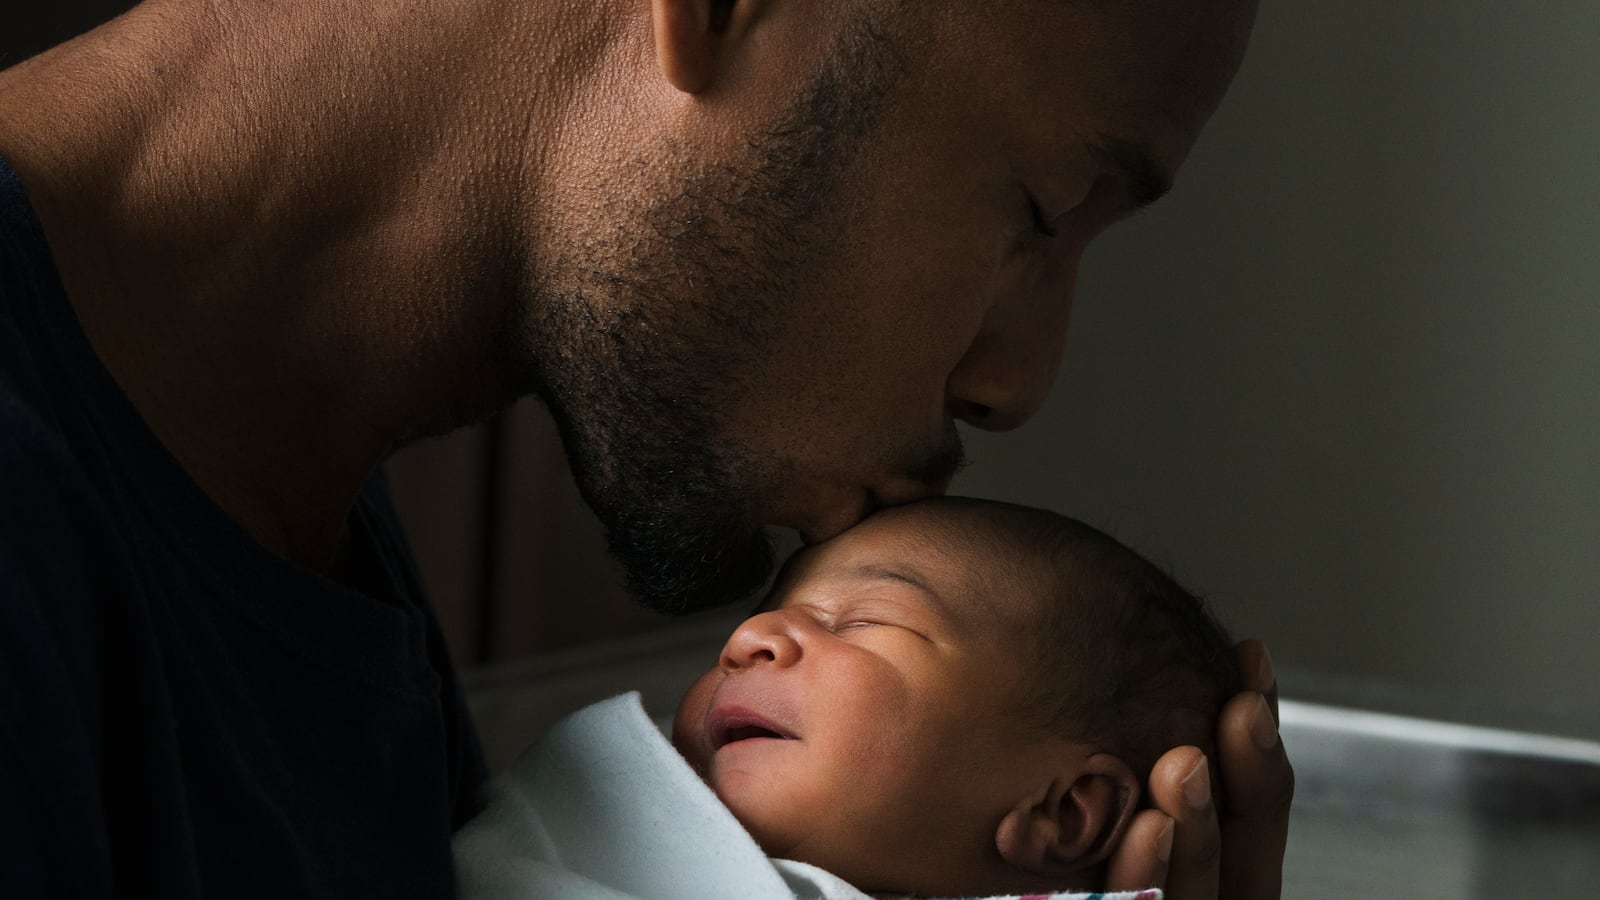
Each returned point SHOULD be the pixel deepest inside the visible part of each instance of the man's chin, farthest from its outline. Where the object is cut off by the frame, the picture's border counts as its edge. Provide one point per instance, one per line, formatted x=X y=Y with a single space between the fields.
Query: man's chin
x=678 y=577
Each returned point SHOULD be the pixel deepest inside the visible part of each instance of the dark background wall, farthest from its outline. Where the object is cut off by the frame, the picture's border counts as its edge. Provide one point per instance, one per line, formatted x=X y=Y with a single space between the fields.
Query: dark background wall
x=515 y=562
x=28 y=26
x=1345 y=379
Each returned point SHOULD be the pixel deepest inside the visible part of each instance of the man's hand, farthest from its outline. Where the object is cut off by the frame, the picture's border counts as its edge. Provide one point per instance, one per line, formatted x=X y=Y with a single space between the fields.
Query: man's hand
x=1180 y=845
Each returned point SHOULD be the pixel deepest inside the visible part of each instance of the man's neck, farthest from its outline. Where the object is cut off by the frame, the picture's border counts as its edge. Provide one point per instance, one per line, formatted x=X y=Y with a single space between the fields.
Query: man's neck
x=288 y=231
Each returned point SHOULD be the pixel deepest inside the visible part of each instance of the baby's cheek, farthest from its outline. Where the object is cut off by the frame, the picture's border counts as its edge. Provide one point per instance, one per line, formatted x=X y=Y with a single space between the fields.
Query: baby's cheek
x=688 y=724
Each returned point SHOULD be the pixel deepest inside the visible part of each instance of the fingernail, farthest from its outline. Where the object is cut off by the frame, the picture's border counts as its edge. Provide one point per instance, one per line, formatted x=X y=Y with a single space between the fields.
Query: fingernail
x=1265 y=676
x=1164 y=844
x=1197 y=785
x=1263 y=728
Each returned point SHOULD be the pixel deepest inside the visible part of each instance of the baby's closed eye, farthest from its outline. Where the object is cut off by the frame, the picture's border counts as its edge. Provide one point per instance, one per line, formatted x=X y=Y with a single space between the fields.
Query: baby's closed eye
x=857 y=623
x=878 y=624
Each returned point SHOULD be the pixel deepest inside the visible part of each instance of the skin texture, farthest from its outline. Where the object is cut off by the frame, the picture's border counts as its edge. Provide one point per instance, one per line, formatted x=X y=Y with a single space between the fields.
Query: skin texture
x=888 y=659
x=300 y=234
x=744 y=247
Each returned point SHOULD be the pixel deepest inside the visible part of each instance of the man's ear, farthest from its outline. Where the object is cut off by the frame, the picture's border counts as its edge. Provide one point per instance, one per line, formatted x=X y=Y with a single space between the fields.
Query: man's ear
x=1074 y=822
x=692 y=36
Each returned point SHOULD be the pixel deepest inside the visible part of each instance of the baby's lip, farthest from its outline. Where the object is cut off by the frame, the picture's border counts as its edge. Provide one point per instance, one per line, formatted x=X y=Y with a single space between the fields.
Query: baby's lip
x=731 y=724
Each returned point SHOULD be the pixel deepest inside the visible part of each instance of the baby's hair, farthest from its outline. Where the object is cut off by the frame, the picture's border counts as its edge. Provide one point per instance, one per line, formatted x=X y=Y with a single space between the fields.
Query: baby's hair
x=1121 y=655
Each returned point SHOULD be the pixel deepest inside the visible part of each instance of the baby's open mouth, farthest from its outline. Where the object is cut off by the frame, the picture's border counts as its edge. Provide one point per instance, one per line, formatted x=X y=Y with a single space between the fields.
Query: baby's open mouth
x=731 y=726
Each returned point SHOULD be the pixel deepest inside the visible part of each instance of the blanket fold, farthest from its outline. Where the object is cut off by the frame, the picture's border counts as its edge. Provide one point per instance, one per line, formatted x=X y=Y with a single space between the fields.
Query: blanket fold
x=603 y=808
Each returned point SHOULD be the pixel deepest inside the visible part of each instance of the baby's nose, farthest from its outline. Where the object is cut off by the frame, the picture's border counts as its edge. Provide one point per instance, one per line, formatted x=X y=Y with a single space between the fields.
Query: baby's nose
x=761 y=640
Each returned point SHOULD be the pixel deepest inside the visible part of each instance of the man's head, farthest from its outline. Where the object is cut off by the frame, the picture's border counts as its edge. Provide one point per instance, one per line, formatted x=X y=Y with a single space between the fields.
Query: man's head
x=956 y=697
x=794 y=243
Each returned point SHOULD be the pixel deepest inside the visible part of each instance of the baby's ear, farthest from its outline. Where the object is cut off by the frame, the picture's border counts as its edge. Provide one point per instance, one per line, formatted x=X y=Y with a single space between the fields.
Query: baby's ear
x=1074 y=822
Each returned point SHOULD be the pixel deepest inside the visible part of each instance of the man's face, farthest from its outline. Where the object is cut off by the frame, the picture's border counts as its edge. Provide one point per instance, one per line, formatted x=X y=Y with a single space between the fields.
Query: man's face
x=783 y=328
x=862 y=720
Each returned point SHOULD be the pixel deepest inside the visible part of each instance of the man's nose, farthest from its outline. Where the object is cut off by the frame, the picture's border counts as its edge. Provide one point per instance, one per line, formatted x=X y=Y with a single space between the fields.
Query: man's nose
x=1008 y=370
x=764 y=639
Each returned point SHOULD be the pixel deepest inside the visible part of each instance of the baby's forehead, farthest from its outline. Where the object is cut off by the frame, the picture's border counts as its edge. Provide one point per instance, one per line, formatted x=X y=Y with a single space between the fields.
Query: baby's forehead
x=969 y=558
x=971 y=534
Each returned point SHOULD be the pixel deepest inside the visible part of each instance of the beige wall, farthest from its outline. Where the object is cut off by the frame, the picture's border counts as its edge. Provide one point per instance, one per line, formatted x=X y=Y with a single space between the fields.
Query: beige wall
x=1347 y=379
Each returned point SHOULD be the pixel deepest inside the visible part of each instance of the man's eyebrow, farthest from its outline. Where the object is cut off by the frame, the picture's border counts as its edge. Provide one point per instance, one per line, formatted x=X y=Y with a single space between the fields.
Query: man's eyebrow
x=1146 y=179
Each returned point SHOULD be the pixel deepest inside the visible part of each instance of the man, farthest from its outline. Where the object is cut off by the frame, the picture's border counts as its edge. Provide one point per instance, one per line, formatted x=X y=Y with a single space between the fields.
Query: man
x=756 y=256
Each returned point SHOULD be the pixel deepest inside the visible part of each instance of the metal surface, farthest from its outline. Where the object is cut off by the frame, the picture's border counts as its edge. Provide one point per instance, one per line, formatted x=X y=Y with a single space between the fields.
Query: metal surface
x=1403 y=807
x=1385 y=805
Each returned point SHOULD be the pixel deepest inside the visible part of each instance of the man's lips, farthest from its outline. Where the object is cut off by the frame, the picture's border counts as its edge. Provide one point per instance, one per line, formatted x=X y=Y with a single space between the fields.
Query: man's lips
x=842 y=516
x=732 y=724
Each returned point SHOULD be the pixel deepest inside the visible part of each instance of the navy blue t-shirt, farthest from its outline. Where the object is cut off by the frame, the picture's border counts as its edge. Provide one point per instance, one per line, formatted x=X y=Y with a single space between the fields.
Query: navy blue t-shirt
x=182 y=713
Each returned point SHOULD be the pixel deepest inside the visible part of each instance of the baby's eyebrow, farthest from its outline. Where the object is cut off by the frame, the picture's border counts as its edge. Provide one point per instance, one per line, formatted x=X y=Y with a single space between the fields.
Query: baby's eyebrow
x=878 y=572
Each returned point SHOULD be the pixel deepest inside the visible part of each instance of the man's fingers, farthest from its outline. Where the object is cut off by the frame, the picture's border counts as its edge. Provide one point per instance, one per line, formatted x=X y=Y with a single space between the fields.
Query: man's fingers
x=1180 y=786
x=1140 y=861
x=1255 y=823
x=1255 y=663
x=1239 y=857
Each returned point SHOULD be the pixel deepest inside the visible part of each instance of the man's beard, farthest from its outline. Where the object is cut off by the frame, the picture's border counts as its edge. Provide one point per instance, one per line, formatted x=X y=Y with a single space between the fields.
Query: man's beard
x=641 y=344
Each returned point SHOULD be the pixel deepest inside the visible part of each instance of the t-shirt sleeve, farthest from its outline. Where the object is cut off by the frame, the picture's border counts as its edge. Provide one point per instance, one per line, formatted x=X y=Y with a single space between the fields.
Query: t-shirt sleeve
x=52 y=833
x=51 y=838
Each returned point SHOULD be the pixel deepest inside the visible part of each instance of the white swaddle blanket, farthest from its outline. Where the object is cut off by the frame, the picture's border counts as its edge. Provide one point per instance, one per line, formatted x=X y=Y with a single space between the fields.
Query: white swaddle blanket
x=603 y=808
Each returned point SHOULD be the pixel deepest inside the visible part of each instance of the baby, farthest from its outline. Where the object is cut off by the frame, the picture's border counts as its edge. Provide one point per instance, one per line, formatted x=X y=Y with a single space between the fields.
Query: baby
x=954 y=698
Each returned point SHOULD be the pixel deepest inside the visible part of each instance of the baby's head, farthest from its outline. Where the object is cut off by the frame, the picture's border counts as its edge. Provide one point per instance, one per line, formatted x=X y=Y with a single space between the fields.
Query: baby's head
x=956 y=697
